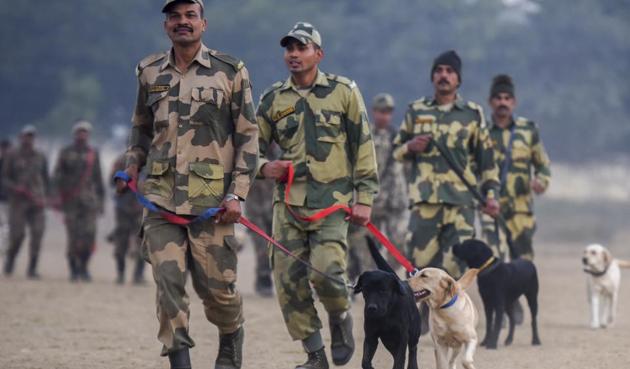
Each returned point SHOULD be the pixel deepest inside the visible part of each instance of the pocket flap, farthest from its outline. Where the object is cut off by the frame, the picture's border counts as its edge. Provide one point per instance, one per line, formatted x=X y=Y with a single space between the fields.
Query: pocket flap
x=329 y=117
x=330 y=139
x=206 y=170
x=211 y=95
x=155 y=97
x=158 y=168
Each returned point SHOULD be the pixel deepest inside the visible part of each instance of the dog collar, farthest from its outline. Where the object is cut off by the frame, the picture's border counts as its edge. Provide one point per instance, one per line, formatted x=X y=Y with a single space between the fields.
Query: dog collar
x=450 y=303
x=487 y=263
x=489 y=266
x=597 y=274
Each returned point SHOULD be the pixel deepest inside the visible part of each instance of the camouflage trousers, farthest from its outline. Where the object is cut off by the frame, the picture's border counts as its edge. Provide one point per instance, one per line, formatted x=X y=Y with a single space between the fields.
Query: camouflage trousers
x=322 y=243
x=522 y=226
x=208 y=251
x=126 y=239
x=80 y=219
x=359 y=258
x=433 y=230
x=23 y=214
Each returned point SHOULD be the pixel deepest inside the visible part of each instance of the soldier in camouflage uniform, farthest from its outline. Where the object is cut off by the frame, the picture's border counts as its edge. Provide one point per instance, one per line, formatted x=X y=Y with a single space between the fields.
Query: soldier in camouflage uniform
x=389 y=212
x=80 y=193
x=442 y=211
x=125 y=236
x=195 y=136
x=5 y=147
x=25 y=178
x=524 y=170
x=320 y=123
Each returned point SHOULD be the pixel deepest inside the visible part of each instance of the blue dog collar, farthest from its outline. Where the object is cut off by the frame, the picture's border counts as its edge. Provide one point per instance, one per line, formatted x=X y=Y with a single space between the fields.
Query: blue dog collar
x=450 y=303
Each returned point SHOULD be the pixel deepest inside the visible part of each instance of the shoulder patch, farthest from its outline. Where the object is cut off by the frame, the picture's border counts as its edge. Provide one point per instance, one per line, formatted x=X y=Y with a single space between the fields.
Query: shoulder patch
x=341 y=79
x=271 y=89
x=150 y=60
x=473 y=105
x=237 y=64
x=419 y=104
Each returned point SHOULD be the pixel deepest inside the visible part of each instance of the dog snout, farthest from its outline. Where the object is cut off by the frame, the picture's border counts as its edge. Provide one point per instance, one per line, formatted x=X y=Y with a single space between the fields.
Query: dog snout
x=584 y=260
x=371 y=308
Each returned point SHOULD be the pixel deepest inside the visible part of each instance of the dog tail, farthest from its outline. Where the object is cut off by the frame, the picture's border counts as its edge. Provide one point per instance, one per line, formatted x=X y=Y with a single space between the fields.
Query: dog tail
x=380 y=261
x=623 y=263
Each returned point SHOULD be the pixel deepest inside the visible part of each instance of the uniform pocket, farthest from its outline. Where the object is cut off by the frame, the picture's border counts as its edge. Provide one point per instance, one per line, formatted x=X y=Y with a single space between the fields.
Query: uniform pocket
x=205 y=105
x=328 y=123
x=205 y=184
x=159 y=181
x=158 y=102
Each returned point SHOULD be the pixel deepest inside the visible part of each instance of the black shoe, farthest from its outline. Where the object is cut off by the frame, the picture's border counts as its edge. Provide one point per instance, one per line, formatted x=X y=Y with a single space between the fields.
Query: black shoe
x=32 y=269
x=264 y=286
x=180 y=359
x=316 y=360
x=342 y=345
x=230 y=350
x=74 y=270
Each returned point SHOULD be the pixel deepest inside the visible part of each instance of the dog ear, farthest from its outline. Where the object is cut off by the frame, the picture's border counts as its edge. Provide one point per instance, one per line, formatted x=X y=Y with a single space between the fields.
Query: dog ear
x=467 y=279
x=607 y=257
x=358 y=287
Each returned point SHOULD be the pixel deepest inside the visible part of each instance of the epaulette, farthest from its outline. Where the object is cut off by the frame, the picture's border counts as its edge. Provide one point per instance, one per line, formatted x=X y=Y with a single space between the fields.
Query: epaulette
x=473 y=106
x=341 y=79
x=421 y=103
x=237 y=64
x=271 y=89
x=150 y=60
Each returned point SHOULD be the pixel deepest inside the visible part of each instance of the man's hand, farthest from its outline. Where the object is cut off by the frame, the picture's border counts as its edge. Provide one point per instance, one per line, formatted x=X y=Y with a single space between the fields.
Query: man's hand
x=276 y=169
x=132 y=171
x=419 y=143
x=360 y=214
x=537 y=186
x=232 y=212
x=492 y=208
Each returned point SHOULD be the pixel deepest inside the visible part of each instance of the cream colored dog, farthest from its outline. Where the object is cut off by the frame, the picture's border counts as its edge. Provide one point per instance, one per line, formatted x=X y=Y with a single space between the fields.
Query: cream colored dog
x=603 y=281
x=452 y=318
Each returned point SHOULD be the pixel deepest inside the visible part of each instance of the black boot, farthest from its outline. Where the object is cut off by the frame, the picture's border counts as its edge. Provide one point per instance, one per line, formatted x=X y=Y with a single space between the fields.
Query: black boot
x=84 y=274
x=32 y=268
x=138 y=273
x=230 y=350
x=74 y=269
x=180 y=359
x=8 y=265
x=342 y=345
x=316 y=360
x=120 y=270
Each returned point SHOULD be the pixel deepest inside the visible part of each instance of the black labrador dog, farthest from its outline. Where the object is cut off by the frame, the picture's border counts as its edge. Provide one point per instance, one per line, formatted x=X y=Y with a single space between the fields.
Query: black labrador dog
x=500 y=286
x=390 y=314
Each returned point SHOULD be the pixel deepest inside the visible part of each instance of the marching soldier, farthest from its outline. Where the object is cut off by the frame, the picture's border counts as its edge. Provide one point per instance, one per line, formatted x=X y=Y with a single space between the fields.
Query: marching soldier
x=80 y=193
x=524 y=169
x=442 y=213
x=25 y=178
x=194 y=134
x=319 y=122
x=389 y=212
x=5 y=147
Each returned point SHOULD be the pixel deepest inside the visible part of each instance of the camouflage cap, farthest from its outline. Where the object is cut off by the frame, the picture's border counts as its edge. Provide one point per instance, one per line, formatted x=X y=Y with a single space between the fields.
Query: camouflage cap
x=168 y=3
x=28 y=130
x=82 y=125
x=303 y=32
x=383 y=101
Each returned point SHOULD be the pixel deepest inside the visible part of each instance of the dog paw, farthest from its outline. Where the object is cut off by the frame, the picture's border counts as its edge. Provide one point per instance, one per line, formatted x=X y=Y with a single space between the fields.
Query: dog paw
x=491 y=346
x=536 y=342
x=508 y=342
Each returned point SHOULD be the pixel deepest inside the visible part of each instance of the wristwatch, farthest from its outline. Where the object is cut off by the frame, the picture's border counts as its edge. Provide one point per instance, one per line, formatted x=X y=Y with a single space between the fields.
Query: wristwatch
x=231 y=196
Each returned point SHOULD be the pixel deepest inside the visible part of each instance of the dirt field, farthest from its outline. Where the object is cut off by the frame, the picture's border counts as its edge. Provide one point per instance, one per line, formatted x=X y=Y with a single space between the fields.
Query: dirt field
x=55 y=324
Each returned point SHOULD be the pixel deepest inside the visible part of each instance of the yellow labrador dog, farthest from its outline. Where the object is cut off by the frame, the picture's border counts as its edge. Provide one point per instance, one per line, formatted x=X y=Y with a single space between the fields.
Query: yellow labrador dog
x=603 y=281
x=452 y=317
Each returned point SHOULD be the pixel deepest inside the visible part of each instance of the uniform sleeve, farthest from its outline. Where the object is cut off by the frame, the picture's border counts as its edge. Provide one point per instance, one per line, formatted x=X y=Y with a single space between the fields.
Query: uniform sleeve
x=483 y=152
x=365 y=174
x=401 y=153
x=142 y=127
x=264 y=135
x=245 y=135
x=540 y=159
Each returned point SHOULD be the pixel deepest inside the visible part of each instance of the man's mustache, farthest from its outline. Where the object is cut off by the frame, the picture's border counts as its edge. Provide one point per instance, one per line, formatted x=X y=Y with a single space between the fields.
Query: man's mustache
x=183 y=27
x=443 y=81
x=503 y=107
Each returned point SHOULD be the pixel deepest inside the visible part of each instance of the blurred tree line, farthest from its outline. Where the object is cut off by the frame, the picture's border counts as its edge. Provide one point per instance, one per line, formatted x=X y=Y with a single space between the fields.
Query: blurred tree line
x=570 y=58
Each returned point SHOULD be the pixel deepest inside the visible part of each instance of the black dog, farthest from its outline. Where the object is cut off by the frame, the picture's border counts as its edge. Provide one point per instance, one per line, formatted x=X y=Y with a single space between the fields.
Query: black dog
x=390 y=314
x=500 y=286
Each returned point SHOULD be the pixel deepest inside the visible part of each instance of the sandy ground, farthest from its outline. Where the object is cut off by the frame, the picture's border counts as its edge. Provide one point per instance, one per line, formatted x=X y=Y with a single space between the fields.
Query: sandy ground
x=54 y=324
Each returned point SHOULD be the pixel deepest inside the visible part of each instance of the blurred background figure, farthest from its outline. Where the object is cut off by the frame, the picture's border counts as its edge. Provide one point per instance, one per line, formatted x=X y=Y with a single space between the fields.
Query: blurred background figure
x=80 y=193
x=25 y=178
x=5 y=146
x=389 y=212
x=126 y=233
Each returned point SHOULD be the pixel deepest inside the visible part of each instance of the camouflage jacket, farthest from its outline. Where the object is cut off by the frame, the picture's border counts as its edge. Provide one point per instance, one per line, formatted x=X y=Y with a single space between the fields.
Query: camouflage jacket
x=26 y=170
x=528 y=154
x=392 y=197
x=194 y=133
x=461 y=129
x=76 y=180
x=327 y=137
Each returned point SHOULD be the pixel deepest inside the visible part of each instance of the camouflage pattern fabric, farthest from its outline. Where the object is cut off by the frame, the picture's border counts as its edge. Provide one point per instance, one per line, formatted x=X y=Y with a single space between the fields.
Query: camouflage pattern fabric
x=461 y=129
x=323 y=243
x=389 y=212
x=196 y=137
x=208 y=251
x=326 y=135
x=80 y=187
x=528 y=160
x=25 y=178
x=259 y=209
x=196 y=132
